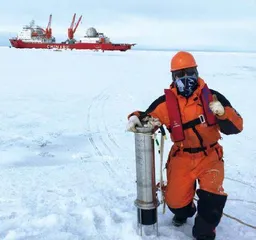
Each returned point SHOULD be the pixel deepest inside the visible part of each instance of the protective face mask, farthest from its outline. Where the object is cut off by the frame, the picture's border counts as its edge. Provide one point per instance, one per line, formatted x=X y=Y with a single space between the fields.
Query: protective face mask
x=186 y=85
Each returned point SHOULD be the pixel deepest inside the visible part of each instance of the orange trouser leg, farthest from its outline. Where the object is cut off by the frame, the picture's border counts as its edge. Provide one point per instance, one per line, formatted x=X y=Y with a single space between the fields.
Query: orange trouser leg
x=185 y=168
x=212 y=198
x=180 y=188
x=210 y=172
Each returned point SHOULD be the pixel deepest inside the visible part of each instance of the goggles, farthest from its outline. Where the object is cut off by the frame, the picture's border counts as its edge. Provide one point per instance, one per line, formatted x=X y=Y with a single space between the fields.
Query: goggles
x=184 y=72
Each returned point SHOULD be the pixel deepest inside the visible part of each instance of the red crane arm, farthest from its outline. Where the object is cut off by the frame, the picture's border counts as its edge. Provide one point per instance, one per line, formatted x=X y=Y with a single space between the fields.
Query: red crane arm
x=73 y=21
x=79 y=20
x=50 y=22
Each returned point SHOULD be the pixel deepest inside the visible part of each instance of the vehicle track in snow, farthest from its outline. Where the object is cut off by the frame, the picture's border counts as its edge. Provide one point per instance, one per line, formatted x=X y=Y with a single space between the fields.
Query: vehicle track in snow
x=89 y=127
x=101 y=104
x=95 y=118
x=99 y=133
x=110 y=136
x=240 y=181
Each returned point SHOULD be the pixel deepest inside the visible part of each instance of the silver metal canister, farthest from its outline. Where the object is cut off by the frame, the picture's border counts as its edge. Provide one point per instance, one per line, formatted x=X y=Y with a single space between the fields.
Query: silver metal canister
x=147 y=201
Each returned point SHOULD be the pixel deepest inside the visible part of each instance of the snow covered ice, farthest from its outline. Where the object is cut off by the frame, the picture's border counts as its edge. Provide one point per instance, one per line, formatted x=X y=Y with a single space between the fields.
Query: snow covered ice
x=67 y=166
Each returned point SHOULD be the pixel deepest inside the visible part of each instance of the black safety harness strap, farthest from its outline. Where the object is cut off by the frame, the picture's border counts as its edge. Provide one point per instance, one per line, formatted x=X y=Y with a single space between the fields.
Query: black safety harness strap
x=192 y=124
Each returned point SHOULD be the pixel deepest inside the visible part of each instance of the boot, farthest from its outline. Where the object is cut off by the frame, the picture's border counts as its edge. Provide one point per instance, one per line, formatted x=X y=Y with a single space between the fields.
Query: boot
x=204 y=237
x=181 y=214
x=178 y=221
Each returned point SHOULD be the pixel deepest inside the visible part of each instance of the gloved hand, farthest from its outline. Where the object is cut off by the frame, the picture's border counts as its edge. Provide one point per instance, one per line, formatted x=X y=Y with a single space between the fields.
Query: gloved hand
x=132 y=123
x=216 y=107
x=151 y=122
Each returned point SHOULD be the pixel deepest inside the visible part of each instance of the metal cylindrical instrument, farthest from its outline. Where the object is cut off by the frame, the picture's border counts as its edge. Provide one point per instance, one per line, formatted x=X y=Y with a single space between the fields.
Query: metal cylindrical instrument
x=147 y=201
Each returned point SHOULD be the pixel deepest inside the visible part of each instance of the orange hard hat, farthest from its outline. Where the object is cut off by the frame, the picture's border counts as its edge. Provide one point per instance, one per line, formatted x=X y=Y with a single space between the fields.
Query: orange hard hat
x=182 y=60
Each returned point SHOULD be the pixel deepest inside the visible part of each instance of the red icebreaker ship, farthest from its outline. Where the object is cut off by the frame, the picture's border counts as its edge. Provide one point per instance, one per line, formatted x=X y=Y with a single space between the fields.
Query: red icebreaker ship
x=33 y=36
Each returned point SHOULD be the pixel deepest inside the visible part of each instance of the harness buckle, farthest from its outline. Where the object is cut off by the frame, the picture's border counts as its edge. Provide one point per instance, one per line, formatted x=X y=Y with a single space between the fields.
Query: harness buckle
x=202 y=118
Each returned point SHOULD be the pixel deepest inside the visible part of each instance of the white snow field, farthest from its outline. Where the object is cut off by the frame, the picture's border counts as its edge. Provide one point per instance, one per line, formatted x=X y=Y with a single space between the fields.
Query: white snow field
x=67 y=165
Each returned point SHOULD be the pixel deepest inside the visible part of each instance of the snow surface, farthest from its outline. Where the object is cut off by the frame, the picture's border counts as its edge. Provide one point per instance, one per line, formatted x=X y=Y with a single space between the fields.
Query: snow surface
x=67 y=166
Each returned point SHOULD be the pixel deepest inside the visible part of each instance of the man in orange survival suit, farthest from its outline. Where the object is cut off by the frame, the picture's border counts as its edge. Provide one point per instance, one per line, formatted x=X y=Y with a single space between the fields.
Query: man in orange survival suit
x=194 y=115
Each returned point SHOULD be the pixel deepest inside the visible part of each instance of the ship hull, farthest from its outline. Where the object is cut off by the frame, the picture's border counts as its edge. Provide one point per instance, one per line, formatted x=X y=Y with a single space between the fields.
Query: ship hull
x=78 y=45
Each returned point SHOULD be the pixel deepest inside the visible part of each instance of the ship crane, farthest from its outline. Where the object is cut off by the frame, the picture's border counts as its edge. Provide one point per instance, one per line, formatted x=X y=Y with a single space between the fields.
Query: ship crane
x=72 y=29
x=48 y=30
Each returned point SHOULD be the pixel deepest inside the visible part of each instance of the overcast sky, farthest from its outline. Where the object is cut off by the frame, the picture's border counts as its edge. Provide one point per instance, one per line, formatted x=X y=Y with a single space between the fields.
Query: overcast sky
x=218 y=24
